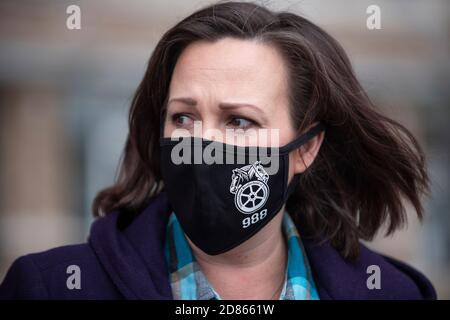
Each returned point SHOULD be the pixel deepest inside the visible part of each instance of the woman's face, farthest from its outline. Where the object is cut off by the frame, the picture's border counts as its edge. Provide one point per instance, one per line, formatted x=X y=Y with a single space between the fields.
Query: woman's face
x=231 y=84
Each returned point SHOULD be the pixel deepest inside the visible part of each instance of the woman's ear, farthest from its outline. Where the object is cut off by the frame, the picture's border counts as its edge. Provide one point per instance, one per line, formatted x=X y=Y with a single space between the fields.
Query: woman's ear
x=304 y=156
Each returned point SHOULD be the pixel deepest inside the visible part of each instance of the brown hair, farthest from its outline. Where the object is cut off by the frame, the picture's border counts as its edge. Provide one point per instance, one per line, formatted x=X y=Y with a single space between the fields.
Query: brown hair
x=367 y=163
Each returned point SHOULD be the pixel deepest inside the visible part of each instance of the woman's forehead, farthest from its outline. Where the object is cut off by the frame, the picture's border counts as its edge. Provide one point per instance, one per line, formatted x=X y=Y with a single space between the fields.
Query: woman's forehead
x=244 y=69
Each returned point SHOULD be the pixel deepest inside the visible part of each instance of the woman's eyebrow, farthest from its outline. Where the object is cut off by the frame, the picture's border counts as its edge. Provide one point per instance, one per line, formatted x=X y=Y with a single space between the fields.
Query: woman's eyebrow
x=188 y=101
x=232 y=105
x=223 y=105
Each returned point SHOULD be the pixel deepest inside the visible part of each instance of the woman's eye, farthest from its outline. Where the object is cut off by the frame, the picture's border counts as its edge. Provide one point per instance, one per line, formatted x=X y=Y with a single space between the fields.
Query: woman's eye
x=241 y=123
x=181 y=120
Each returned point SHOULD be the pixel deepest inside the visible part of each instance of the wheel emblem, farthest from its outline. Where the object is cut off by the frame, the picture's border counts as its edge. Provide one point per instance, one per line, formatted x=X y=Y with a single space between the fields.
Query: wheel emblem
x=249 y=185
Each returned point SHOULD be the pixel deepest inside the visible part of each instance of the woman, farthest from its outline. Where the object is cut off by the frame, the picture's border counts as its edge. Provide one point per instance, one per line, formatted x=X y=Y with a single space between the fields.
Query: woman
x=284 y=224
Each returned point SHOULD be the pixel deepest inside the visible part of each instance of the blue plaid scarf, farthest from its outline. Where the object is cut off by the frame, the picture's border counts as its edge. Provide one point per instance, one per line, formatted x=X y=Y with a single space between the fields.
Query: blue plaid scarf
x=188 y=282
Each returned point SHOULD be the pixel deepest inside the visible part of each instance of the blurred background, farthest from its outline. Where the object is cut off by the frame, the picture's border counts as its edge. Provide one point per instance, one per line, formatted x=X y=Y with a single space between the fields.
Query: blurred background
x=65 y=94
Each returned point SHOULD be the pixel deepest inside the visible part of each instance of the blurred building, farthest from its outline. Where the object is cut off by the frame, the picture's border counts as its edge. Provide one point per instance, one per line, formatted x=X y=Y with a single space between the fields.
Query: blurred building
x=64 y=98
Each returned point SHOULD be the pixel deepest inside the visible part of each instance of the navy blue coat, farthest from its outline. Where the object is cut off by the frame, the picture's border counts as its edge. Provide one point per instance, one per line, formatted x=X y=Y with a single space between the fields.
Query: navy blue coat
x=124 y=259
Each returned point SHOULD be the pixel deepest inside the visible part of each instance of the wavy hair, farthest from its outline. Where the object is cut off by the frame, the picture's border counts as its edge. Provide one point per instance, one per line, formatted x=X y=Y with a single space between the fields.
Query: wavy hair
x=367 y=164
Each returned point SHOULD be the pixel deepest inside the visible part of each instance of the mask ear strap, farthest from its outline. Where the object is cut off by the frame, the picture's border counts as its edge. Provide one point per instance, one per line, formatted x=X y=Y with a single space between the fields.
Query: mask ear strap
x=311 y=133
x=296 y=144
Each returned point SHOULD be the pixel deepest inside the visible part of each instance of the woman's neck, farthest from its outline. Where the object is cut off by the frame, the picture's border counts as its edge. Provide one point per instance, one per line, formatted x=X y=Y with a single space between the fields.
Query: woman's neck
x=253 y=270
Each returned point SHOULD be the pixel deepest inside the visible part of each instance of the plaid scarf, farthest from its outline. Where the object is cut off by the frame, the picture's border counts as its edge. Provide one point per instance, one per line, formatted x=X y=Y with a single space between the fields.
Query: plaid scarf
x=188 y=282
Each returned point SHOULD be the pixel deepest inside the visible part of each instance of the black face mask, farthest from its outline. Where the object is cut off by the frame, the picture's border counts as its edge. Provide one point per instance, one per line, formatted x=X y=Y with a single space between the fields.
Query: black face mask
x=222 y=204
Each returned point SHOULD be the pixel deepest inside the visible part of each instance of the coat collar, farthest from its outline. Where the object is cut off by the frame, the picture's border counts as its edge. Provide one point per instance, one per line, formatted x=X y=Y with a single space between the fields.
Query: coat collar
x=134 y=258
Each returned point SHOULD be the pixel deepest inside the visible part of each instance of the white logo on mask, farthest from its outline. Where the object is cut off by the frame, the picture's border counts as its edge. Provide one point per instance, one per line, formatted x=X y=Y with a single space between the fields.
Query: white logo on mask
x=249 y=186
